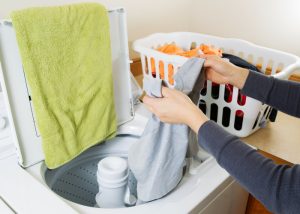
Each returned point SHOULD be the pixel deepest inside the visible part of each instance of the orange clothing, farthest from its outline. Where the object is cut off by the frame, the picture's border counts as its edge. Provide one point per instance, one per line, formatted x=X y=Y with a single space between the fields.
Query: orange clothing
x=207 y=49
x=173 y=49
x=191 y=53
x=170 y=49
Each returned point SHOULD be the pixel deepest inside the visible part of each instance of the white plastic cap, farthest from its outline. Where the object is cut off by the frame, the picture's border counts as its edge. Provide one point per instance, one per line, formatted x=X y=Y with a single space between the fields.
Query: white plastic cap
x=112 y=169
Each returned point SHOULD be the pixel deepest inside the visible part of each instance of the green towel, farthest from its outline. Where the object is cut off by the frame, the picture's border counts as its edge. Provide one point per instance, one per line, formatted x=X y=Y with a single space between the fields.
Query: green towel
x=66 y=56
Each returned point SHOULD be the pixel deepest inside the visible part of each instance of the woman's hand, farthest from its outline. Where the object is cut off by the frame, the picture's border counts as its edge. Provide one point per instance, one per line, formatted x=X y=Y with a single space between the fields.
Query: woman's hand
x=220 y=71
x=176 y=107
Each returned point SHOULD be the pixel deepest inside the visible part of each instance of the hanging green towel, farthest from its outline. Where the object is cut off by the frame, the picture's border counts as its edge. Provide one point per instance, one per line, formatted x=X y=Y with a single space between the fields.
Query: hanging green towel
x=66 y=56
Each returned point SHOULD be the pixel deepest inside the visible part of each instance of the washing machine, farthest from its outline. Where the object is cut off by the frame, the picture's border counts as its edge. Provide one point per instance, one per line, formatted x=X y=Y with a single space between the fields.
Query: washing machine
x=28 y=186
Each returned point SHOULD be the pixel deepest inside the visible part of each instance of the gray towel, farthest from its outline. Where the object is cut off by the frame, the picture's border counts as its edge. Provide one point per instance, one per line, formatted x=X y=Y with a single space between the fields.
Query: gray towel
x=157 y=160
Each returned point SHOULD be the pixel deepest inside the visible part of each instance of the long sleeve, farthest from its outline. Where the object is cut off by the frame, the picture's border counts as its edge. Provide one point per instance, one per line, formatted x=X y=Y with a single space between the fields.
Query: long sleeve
x=281 y=94
x=276 y=186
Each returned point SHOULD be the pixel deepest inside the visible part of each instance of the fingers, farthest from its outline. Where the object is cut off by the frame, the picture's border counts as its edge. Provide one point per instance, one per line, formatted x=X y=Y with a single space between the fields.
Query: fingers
x=209 y=60
x=208 y=73
x=149 y=101
x=157 y=103
x=166 y=92
x=209 y=56
x=205 y=56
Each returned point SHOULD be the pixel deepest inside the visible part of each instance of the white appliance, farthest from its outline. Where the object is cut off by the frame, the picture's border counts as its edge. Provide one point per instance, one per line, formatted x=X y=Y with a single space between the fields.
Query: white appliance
x=27 y=186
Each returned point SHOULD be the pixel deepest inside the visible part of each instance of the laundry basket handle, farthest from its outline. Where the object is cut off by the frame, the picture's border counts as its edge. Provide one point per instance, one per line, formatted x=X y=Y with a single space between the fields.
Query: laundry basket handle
x=288 y=71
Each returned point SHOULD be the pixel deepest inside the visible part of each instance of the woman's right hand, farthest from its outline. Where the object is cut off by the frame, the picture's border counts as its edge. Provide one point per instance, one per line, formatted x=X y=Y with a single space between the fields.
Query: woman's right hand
x=221 y=71
x=176 y=107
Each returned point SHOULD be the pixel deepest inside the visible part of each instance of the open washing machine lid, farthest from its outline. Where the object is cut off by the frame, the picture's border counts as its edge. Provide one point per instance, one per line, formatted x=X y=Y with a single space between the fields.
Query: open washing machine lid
x=17 y=94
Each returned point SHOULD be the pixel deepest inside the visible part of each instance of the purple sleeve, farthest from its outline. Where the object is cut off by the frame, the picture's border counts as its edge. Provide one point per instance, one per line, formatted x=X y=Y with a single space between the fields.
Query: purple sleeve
x=284 y=95
x=276 y=186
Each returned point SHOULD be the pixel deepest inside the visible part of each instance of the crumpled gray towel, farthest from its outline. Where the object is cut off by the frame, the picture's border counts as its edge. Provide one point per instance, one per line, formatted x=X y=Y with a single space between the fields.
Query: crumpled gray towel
x=157 y=160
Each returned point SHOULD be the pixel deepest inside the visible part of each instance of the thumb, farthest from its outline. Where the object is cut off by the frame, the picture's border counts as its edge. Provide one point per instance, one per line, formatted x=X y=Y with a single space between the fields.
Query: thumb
x=166 y=92
x=209 y=59
x=207 y=56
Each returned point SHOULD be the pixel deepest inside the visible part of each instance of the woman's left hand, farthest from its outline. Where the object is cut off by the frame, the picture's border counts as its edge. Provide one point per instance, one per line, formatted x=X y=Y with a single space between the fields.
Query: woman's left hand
x=176 y=107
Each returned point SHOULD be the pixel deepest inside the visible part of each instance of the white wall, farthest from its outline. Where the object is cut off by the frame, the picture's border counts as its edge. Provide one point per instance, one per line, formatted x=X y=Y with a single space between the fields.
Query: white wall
x=144 y=17
x=271 y=23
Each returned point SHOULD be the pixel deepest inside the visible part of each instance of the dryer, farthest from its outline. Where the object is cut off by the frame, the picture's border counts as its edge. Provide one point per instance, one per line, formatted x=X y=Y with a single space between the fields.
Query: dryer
x=27 y=186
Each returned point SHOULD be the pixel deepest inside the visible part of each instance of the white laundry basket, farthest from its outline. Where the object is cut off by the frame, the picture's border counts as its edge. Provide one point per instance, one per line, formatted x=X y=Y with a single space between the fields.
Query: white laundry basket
x=242 y=119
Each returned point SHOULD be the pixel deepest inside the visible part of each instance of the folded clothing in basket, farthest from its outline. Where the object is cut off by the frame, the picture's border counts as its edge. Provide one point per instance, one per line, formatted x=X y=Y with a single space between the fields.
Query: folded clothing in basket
x=158 y=158
x=66 y=57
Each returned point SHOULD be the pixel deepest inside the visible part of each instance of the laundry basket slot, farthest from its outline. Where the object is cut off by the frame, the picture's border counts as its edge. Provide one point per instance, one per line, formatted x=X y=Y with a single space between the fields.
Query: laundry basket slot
x=243 y=117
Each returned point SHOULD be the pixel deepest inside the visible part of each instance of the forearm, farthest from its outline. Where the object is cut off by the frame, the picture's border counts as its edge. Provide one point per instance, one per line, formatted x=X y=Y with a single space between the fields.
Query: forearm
x=195 y=118
x=238 y=77
x=281 y=94
x=276 y=186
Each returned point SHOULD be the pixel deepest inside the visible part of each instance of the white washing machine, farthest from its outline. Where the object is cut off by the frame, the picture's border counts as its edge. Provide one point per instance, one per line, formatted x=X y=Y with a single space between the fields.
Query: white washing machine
x=27 y=186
